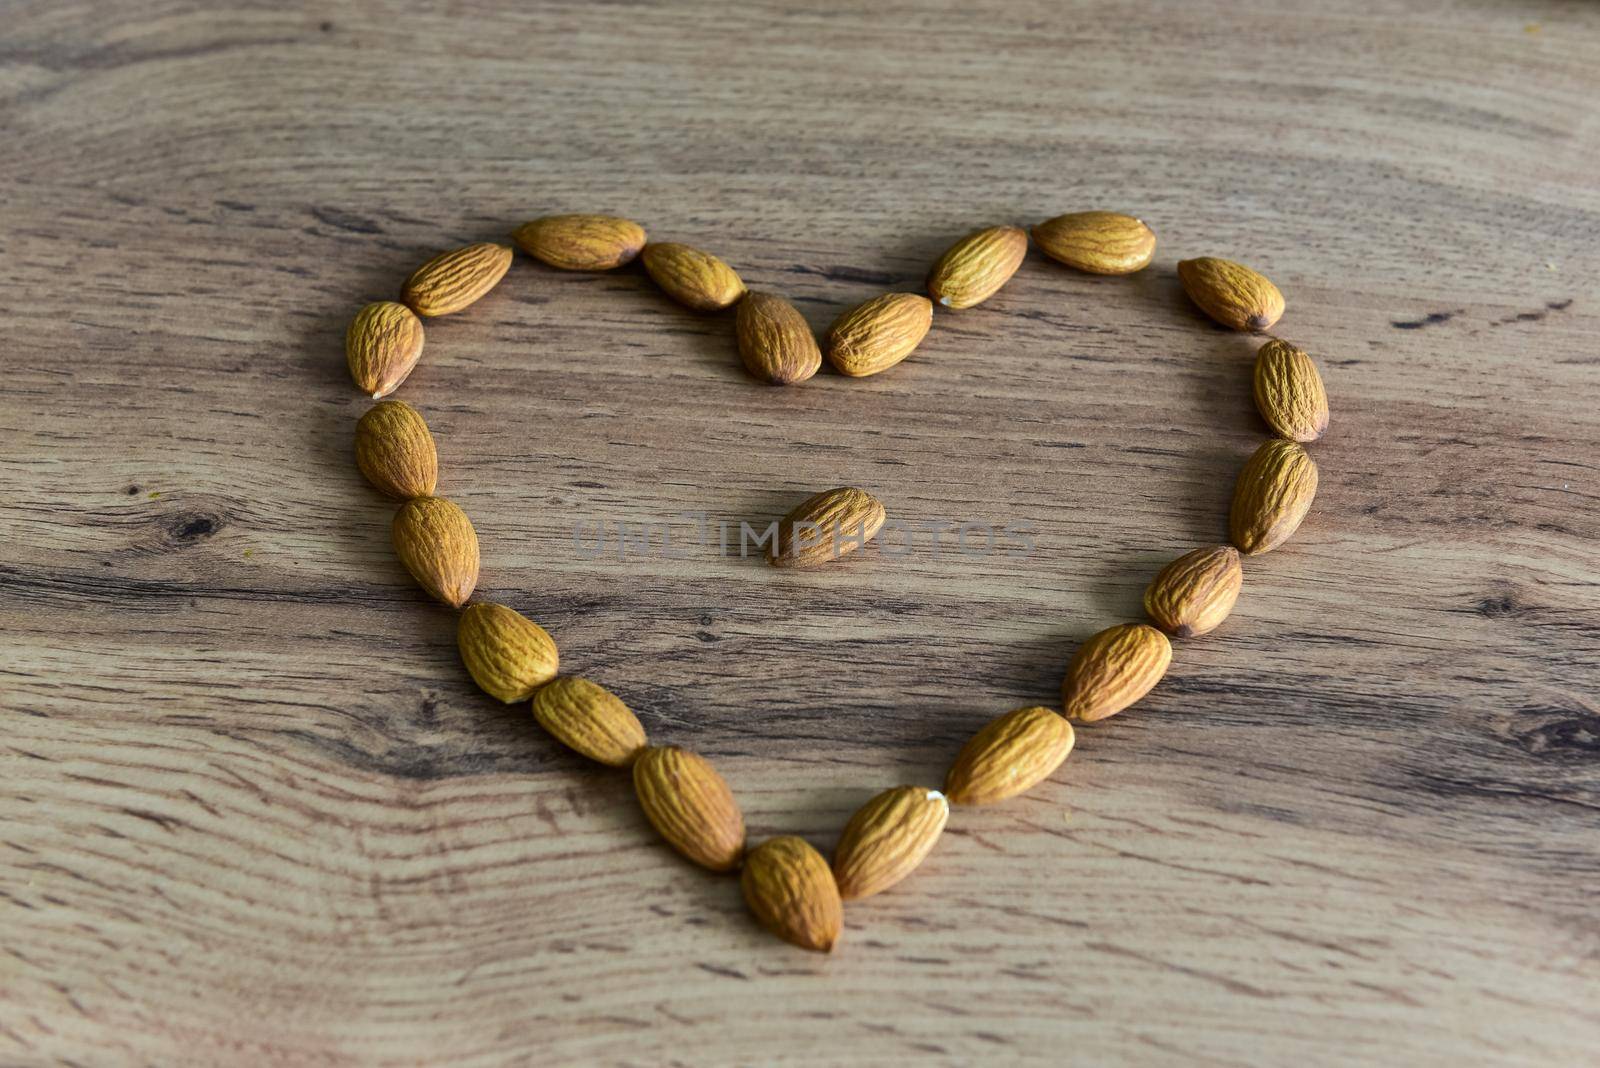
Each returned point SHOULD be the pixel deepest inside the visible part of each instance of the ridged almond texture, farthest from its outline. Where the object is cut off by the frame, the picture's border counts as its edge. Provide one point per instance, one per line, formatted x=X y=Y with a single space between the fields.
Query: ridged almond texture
x=1272 y=496
x=1113 y=669
x=790 y=891
x=887 y=838
x=395 y=451
x=1231 y=293
x=581 y=242
x=456 y=279
x=826 y=526
x=382 y=345
x=590 y=719
x=876 y=335
x=435 y=541
x=1194 y=594
x=775 y=341
x=1010 y=755
x=1101 y=242
x=506 y=653
x=695 y=279
x=974 y=268
x=1289 y=392
x=685 y=799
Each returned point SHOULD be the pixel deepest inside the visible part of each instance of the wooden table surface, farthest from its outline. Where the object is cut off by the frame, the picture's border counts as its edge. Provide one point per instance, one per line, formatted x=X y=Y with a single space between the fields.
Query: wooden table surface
x=253 y=811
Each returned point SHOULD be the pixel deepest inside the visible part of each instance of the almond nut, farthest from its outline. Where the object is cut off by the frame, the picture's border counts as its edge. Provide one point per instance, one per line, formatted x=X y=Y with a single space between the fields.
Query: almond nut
x=1008 y=756
x=790 y=890
x=590 y=719
x=382 y=345
x=1101 y=242
x=1289 y=392
x=435 y=541
x=878 y=334
x=685 y=799
x=1113 y=669
x=395 y=451
x=775 y=341
x=1272 y=496
x=506 y=653
x=887 y=838
x=695 y=279
x=975 y=267
x=826 y=526
x=456 y=279
x=581 y=242
x=1231 y=293
x=1194 y=594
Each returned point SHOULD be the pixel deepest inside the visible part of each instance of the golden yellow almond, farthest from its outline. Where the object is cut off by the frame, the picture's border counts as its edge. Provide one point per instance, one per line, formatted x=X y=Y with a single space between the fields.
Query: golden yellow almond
x=691 y=806
x=826 y=526
x=382 y=345
x=790 y=890
x=1010 y=755
x=1113 y=669
x=506 y=653
x=1289 y=392
x=695 y=279
x=581 y=242
x=1194 y=594
x=879 y=333
x=435 y=541
x=1272 y=496
x=456 y=279
x=589 y=719
x=395 y=451
x=887 y=838
x=775 y=341
x=1101 y=242
x=1231 y=293
x=974 y=268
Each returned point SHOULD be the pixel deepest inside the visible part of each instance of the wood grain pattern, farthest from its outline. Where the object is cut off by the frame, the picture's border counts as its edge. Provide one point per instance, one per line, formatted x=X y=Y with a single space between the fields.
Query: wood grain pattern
x=253 y=811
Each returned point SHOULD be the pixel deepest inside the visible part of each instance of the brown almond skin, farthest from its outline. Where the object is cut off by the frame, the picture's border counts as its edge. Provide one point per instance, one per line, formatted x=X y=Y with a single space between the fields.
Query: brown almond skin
x=589 y=719
x=790 y=891
x=1113 y=669
x=382 y=345
x=775 y=341
x=887 y=838
x=685 y=799
x=581 y=242
x=826 y=526
x=1272 y=496
x=456 y=279
x=1289 y=392
x=877 y=334
x=974 y=268
x=507 y=654
x=695 y=279
x=395 y=451
x=1010 y=755
x=1194 y=594
x=435 y=541
x=1231 y=293
x=1100 y=242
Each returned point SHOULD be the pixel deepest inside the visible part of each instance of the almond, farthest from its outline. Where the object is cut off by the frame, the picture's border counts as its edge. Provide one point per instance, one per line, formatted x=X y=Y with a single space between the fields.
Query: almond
x=1272 y=496
x=506 y=653
x=775 y=341
x=382 y=345
x=1289 y=392
x=587 y=717
x=581 y=242
x=1009 y=755
x=878 y=334
x=1113 y=669
x=976 y=266
x=1194 y=594
x=826 y=526
x=790 y=890
x=693 y=278
x=395 y=451
x=1101 y=242
x=1231 y=293
x=434 y=539
x=887 y=838
x=685 y=799
x=456 y=279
